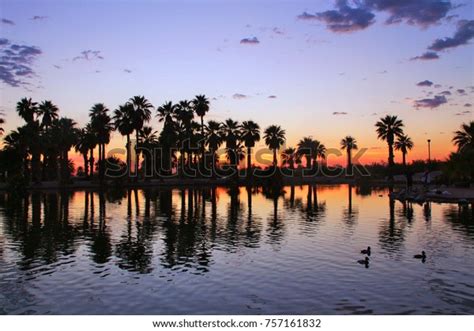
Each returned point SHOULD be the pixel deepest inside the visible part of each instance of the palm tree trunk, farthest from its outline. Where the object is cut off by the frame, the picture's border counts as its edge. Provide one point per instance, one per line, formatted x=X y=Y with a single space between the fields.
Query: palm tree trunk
x=349 y=162
x=274 y=157
x=128 y=156
x=91 y=163
x=86 y=164
x=249 y=160
x=308 y=161
x=137 y=156
x=202 y=142
x=404 y=159
x=390 y=155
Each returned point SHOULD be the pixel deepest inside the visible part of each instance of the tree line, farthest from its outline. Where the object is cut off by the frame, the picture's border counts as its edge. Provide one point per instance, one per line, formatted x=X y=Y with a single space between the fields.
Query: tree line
x=186 y=146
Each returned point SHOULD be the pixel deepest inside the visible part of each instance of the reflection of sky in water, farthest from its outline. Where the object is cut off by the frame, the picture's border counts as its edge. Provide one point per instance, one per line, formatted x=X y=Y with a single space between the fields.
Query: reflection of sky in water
x=233 y=251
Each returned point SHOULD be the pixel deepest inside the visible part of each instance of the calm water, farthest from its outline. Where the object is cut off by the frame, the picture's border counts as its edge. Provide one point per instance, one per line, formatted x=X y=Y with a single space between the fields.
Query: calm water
x=238 y=251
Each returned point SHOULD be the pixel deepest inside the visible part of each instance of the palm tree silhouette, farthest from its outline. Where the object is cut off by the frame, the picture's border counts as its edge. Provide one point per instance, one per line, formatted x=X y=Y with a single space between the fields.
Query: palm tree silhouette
x=82 y=146
x=184 y=115
x=27 y=109
x=67 y=138
x=290 y=156
x=2 y=121
x=464 y=138
x=306 y=148
x=102 y=126
x=388 y=128
x=349 y=143
x=141 y=115
x=231 y=135
x=148 y=141
x=250 y=134
x=274 y=137
x=49 y=113
x=403 y=144
x=201 y=107
x=214 y=139
x=320 y=152
x=123 y=123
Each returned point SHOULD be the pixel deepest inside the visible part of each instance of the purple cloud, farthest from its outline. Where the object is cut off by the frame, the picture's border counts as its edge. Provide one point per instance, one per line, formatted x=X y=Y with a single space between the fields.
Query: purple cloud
x=339 y=113
x=38 y=18
x=16 y=63
x=468 y=105
x=250 y=41
x=345 y=18
x=445 y=93
x=414 y=12
x=426 y=56
x=307 y=16
x=272 y=97
x=464 y=33
x=6 y=21
x=128 y=71
x=461 y=91
x=89 y=55
x=431 y=103
x=425 y=83
x=239 y=96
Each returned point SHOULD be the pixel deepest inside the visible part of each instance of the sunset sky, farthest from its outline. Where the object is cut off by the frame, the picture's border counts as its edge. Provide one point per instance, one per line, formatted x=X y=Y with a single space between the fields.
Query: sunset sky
x=324 y=69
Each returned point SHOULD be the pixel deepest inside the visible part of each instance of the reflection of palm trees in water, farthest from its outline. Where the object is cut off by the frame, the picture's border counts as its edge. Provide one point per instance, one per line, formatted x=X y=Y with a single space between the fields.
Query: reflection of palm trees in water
x=276 y=228
x=135 y=248
x=350 y=214
x=392 y=235
x=186 y=242
x=461 y=218
x=101 y=246
x=46 y=238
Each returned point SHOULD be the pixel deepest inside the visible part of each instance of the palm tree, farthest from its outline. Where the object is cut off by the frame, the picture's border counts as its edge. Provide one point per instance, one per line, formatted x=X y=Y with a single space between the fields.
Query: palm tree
x=201 y=107
x=349 y=143
x=404 y=144
x=307 y=148
x=464 y=138
x=141 y=115
x=27 y=109
x=249 y=134
x=166 y=112
x=49 y=113
x=67 y=138
x=123 y=123
x=388 y=128
x=82 y=146
x=214 y=139
x=184 y=114
x=92 y=145
x=231 y=134
x=2 y=121
x=274 y=137
x=290 y=156
x=102 y=127
x=319 y=151
x=148 y=141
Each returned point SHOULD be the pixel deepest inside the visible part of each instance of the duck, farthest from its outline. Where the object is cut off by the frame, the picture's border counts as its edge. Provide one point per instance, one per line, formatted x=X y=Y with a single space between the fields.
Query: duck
x=420 y=256
x=366 y=251
x=364 y=261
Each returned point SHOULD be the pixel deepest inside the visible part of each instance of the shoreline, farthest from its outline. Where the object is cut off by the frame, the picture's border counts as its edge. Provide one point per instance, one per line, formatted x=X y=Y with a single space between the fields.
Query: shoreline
x=435 y=194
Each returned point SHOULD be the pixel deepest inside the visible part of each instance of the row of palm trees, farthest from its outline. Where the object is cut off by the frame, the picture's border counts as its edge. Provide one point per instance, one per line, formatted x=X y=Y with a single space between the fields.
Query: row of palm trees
x=45 y=140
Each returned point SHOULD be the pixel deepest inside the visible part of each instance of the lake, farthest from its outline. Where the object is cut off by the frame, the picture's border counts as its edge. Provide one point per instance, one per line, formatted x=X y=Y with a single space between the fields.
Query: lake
x=233 y=251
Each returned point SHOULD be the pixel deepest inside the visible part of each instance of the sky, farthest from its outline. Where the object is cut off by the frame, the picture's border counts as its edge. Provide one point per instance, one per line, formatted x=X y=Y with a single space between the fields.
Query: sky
x=317 y=68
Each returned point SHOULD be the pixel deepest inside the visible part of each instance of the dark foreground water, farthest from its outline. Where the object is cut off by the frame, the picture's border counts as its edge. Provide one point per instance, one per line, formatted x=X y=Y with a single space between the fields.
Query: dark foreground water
x=233 y=251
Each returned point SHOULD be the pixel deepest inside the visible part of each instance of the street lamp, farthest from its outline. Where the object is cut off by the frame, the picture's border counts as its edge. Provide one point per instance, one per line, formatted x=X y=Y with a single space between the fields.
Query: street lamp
x=429 y=150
